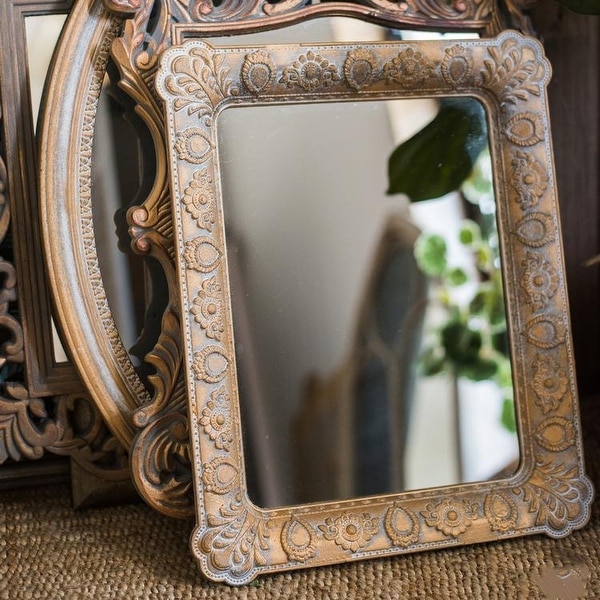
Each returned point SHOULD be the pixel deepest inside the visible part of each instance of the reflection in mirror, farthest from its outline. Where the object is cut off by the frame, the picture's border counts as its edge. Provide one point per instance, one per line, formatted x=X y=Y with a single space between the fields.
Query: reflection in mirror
x=370 y=332
x=42 y=33
x=122 y=171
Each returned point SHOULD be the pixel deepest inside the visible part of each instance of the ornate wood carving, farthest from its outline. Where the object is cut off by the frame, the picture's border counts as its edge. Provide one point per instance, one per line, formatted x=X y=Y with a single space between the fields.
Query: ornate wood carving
x=41 y=374
x=33 y=421
x=234 y=541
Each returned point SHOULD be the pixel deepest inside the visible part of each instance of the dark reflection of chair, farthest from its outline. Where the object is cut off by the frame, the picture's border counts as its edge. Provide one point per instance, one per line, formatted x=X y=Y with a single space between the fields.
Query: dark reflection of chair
x=352 y=431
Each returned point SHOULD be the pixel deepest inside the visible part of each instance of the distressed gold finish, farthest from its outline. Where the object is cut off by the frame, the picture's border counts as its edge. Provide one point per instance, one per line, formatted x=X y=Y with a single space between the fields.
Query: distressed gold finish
x=234 y=540
x=144 y=419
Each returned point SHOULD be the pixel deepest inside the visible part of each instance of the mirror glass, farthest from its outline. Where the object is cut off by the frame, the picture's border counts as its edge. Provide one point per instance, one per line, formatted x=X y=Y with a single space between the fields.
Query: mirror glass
x=369 y=329
x=117 y=179
x=42 y=33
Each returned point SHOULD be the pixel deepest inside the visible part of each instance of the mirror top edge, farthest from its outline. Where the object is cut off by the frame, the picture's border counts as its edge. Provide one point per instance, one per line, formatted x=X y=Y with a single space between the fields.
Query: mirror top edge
x=272 y=18
x=528 y=53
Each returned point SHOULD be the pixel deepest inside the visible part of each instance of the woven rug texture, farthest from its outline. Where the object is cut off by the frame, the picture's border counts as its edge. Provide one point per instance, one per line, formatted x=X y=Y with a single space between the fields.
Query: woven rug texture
x=49 y=551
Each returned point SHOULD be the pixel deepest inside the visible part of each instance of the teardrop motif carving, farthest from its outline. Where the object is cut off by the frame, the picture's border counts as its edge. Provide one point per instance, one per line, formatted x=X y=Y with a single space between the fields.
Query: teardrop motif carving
x=555 y=434
x=525 y=129
x=545 y=331
x=210 y=364
x=457 y=65
x=201 y=254
x=298 y=539
x=220 y=475
x=258 y=72
x=193 y=146
x=500 y=511
x=360 y=68
x=536 y=230
x=401 y=525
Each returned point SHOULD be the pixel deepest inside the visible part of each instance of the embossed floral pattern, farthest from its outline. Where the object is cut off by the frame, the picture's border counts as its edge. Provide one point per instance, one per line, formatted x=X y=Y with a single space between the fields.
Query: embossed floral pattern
x=410 y=68
x=514 y=72
x=216 y=419
x=539 y=280
x=208 y=309
x=309 y=72
x=199 y=199
x=350 y=531
x=550 y=383
x=192 y=145
x=451 y=517
x=529 y=179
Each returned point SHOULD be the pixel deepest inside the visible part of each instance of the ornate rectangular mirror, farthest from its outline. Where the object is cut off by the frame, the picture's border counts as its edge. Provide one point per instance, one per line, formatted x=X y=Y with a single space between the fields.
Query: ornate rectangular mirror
x=304 y=309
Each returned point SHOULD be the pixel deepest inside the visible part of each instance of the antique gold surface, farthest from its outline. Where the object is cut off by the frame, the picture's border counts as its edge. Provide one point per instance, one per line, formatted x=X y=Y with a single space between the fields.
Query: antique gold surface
x=153 y=422
x=234 y=540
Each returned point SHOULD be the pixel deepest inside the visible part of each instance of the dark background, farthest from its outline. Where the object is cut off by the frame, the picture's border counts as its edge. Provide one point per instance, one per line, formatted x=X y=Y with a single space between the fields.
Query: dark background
x=572 y=45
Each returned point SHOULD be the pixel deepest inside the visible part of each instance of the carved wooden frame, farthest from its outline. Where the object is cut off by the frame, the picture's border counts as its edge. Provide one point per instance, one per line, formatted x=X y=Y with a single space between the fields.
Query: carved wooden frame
x=43 y=376
x=235 y=540
x=43 y=407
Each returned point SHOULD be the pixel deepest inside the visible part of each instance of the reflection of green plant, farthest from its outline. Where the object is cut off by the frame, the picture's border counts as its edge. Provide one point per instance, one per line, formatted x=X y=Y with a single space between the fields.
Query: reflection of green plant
x=447 y=155
x=441 y=167
x=471 y=342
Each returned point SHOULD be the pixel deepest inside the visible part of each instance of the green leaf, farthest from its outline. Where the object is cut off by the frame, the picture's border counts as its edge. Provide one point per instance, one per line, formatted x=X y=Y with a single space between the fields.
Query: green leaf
x=470 y=233
x=586 y=7
x=437 y=159
x=480 y=301
x=504 y=374
x=484 y=258
x=456 y=276
x=430 y=253
x=432 y=362
x=508 y=415
x=462 y=345
x=481 y=369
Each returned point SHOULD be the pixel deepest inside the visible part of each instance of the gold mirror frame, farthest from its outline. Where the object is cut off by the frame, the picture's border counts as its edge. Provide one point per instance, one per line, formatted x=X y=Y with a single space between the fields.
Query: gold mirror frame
x=234 y=540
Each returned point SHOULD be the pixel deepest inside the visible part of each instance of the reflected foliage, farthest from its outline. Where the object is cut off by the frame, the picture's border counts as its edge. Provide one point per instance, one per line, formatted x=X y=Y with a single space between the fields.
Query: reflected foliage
x=423 y=168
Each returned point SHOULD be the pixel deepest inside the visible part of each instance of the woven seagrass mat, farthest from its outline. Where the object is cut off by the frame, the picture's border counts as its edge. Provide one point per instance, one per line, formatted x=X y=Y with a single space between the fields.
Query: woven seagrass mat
x=49 y=551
